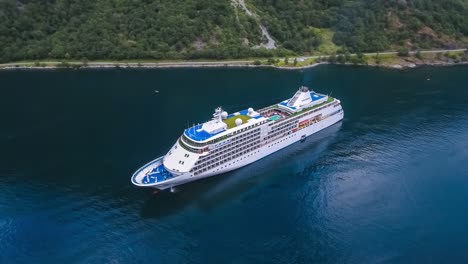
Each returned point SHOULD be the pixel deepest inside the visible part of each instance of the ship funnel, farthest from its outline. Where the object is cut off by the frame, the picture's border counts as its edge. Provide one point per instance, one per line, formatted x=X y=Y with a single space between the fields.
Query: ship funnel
x=300 y=98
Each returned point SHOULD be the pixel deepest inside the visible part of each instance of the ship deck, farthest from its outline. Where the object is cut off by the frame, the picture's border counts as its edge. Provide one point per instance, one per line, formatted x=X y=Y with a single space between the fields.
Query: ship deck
x=275 y=113
x=197 y=134
x=231 y=121
x=152 y=173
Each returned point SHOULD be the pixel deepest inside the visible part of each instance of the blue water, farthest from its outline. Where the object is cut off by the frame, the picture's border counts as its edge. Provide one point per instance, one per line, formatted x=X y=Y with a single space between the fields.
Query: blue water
x=387 y=185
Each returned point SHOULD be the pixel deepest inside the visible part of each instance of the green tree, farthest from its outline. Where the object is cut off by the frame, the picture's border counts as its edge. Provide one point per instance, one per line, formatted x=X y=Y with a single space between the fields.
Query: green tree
x=63 y=64
x=378 y=59
x=403 y=52
x=341 y=58
x=419 y=55
x=347 y=56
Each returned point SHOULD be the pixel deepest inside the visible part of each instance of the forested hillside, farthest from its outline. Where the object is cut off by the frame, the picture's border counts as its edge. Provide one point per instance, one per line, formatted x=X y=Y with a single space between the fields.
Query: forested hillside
x=216 y=29
x=367 y=26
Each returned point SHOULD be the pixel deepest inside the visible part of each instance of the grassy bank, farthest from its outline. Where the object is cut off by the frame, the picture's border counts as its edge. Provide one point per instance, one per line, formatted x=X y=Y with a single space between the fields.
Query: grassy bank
x=402 y=59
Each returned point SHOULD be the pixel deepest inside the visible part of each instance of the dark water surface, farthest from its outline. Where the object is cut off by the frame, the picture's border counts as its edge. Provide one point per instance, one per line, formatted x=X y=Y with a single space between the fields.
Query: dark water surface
x=387 y=185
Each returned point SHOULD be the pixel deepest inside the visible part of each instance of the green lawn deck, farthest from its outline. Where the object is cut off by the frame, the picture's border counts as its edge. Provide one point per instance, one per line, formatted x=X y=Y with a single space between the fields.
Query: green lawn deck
x=231 y=121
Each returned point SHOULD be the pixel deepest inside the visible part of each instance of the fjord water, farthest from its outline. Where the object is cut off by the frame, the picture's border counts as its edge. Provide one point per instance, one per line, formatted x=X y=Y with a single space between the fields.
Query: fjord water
x=387 y=185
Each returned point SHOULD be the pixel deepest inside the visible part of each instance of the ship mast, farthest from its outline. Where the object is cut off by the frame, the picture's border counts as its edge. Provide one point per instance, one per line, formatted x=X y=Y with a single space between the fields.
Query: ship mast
x=218 y=114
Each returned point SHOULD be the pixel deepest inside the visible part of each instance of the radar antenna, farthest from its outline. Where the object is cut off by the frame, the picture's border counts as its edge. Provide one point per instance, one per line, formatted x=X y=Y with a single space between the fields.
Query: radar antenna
x=218 y=114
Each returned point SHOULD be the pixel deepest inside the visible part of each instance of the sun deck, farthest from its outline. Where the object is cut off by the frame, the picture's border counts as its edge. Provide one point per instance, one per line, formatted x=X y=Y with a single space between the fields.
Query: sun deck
x=285 y=104
x=244 y=112
x=274 y=113
x=315 y=96
x=231 y=121
x=196 y=132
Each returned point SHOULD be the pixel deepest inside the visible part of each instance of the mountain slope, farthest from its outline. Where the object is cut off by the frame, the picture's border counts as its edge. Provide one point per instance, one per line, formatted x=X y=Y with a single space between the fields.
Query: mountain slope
x=367 y=26
x=190 y=29
x=118 y=29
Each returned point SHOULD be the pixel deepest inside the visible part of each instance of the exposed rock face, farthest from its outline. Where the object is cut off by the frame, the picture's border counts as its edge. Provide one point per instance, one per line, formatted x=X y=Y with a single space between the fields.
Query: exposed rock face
x=271 y=44
x=199 y=44
x=440 y=39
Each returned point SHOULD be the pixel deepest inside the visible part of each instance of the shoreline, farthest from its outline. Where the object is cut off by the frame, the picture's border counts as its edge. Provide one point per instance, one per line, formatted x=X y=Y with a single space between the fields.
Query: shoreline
x=186 y=66
x=398 y=63
x=182 y=66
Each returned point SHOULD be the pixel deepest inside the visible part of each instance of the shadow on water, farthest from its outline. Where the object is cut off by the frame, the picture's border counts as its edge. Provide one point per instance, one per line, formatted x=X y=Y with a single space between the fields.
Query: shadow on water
x=210 y=193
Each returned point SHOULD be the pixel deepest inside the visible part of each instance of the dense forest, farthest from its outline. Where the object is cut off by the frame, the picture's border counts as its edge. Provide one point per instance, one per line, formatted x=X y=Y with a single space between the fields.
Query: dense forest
x=218 y=29
x=367 y=26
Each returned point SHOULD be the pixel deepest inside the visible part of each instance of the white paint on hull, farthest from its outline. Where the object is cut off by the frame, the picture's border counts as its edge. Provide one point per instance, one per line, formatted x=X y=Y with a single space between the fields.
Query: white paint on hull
x=256 y=154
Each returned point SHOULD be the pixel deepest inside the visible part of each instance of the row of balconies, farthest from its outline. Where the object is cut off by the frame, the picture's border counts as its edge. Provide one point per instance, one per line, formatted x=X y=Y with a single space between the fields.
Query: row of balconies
x=280 y=132
x=236 y=142
x=227 y=152
x=283 y=123
x=286 y=125
x=201 y=169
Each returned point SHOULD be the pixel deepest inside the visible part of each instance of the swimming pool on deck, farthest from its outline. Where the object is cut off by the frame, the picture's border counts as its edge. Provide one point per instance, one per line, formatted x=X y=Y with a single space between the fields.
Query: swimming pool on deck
x=274 y=118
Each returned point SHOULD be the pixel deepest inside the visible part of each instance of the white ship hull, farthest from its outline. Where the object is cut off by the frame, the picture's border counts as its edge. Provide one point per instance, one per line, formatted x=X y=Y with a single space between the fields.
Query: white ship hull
x=263 y=151
x=231 y=141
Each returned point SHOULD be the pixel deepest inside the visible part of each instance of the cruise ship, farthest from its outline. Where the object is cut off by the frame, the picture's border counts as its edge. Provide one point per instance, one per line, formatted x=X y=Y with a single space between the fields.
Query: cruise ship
x=233 y=140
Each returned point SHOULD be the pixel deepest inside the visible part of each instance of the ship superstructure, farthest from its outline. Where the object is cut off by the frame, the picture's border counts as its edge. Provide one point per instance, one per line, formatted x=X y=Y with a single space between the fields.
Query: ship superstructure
x=231 y=141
